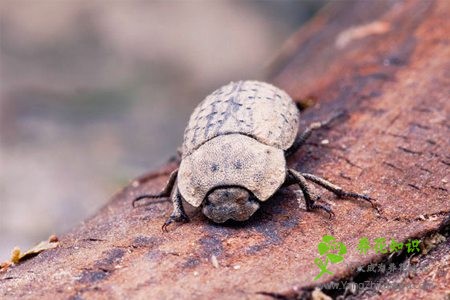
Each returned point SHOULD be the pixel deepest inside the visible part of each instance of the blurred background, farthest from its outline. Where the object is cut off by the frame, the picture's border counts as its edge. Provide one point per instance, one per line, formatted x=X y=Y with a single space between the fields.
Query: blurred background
x=95 y=93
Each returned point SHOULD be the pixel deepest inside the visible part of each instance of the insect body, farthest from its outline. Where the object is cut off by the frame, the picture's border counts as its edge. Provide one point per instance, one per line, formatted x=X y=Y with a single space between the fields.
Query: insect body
x=234 y=154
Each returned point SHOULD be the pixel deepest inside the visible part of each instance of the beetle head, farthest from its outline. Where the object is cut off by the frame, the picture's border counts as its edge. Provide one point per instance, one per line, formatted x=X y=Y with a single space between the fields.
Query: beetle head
x=227 y=203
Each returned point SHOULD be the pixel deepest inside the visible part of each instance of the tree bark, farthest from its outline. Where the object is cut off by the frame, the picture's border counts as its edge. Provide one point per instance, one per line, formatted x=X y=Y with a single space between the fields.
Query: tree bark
x=387 y=65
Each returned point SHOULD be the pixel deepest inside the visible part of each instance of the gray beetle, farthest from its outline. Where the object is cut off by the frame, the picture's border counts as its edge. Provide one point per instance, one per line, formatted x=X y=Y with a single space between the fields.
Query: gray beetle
x=234 y=154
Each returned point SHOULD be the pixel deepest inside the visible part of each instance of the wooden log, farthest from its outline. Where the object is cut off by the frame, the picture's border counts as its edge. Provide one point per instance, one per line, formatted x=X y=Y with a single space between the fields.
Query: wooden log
x=387 y=64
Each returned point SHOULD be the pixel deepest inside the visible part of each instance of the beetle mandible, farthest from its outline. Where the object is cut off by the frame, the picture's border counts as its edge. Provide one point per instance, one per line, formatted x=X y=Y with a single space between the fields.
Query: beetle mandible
x=234 y=154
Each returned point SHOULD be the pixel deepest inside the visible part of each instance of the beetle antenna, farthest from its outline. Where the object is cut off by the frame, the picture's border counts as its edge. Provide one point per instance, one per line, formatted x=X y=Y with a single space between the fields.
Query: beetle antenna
x=149 y=196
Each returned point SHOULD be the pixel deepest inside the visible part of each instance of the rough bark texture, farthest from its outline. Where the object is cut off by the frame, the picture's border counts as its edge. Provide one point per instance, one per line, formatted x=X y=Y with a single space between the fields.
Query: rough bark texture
x=387 y=64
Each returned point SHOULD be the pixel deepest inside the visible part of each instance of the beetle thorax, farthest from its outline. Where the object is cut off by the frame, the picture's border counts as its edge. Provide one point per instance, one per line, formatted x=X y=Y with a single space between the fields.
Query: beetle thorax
x=231 y=160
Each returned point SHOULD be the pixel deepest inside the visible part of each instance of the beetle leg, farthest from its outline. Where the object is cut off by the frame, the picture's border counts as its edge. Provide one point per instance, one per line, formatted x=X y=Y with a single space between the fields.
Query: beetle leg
x=337 y=190
x=176 y=158
x=178 y=213
x=310 y=203
x=163 y=194
x=302 y=137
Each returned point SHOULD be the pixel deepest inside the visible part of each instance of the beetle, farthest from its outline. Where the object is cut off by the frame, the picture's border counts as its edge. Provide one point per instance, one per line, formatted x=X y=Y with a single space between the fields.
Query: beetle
x=234 y=154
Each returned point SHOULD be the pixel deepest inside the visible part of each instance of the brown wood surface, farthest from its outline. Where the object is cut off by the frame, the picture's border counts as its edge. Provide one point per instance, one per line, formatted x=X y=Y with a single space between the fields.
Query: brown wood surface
x=387 y=64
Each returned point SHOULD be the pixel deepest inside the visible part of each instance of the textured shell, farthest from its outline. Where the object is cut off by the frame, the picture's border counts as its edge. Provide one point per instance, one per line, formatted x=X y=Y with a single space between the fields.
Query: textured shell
x=231 y=160
x=252 y=108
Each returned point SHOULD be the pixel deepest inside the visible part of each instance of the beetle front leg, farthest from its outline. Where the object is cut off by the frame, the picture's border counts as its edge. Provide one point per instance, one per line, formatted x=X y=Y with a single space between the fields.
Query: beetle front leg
x=337 y=190
x=163 y=194
x=178 y=213
x=310 y=203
